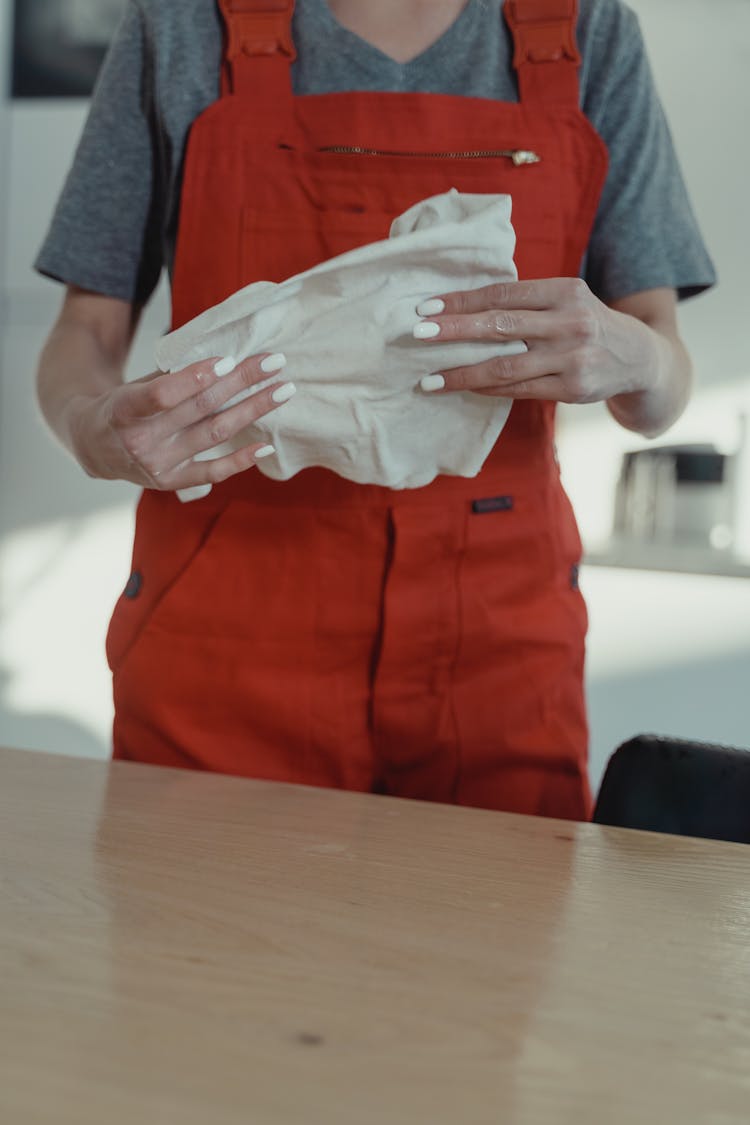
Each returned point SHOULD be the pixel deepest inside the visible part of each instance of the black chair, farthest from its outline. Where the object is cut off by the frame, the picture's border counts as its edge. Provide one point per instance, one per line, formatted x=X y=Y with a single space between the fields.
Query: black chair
x=677 y=786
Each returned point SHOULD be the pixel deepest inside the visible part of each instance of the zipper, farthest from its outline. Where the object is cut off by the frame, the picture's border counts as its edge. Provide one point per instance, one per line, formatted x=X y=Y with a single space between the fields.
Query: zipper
x=519 y=156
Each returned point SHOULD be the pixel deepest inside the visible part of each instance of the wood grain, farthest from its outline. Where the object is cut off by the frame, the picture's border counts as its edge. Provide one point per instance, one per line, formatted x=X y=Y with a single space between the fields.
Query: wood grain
x=180 y=947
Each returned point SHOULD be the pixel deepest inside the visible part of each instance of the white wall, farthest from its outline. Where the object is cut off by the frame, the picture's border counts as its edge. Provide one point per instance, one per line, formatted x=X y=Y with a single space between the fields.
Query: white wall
x=65 y=538
x=667 y=652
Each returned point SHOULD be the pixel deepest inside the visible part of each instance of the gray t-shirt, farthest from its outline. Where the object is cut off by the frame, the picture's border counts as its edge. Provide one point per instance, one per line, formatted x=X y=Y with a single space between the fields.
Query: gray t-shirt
x=115 y=224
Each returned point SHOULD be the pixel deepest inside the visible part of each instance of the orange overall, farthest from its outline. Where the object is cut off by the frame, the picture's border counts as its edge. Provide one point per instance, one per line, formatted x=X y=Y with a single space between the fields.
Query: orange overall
x=425 y=643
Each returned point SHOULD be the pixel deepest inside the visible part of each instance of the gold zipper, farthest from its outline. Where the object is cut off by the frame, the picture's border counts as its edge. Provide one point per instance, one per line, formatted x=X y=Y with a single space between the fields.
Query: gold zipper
x=519 y=156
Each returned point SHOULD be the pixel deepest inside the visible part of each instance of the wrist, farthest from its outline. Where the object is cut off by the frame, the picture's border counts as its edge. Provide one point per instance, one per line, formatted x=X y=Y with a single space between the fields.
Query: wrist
x=659 y=387
x=78 y=424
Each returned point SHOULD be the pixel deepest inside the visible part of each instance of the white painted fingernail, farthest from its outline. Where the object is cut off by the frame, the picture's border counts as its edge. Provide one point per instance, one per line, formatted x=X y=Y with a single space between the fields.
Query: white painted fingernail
x=224 y=366
x=425 y=330
x=431 y=307
x=284 y=392
x=432 y=383
x=196 y=492
x=264 y=451
x=273 y=362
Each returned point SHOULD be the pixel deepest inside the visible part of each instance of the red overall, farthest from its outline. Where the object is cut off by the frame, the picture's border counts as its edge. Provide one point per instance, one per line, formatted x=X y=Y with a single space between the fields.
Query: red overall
x=426 y=643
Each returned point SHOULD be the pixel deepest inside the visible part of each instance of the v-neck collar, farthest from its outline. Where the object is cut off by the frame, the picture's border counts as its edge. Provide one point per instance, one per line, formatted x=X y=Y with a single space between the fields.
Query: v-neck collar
x=354 y=44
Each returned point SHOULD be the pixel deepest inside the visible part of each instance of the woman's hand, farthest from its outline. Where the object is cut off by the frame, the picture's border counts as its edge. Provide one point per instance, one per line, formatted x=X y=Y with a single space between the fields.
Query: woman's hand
x=579 y=349
x=153 y=431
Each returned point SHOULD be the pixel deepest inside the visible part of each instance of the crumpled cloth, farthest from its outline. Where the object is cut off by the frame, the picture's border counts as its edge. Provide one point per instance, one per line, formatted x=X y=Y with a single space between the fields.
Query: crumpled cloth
x=345 y=327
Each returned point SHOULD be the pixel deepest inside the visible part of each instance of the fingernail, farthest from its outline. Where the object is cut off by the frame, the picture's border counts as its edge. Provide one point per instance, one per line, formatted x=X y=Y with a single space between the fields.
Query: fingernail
x=264 y=451
x=432 y=383
x=224 y=366
x=195 y=492
x=285 y=391
x=273 y=362
x=425 y=330
x=431 y=307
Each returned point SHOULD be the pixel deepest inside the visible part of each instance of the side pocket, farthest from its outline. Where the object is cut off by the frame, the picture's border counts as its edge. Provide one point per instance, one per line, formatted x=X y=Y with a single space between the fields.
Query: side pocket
x=568 y=549
x=168 y=538
x=567 y=537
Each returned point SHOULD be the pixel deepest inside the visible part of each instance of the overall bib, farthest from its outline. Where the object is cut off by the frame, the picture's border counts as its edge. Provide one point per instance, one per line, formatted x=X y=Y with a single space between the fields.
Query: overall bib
x=425 y=643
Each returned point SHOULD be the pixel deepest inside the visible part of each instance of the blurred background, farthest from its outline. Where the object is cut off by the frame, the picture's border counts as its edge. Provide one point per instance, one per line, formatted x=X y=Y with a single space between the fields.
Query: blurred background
x=666 y=525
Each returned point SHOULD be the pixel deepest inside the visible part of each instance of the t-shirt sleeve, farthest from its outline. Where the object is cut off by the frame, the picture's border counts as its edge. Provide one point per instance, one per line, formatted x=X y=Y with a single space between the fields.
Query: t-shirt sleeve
x=645 y=235
x=105 y=231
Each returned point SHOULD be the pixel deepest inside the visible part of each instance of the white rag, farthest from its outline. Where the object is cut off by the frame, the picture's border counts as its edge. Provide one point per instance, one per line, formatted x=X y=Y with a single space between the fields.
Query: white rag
x=346 y=328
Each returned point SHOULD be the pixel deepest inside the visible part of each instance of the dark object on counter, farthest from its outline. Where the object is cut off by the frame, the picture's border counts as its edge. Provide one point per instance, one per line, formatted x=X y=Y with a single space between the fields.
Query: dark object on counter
x=676 y=494
x=677 y=786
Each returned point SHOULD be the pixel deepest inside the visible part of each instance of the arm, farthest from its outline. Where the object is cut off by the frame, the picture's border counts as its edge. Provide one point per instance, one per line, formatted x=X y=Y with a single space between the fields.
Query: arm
x=152 y=430
x=668 y=379
x=83 y=359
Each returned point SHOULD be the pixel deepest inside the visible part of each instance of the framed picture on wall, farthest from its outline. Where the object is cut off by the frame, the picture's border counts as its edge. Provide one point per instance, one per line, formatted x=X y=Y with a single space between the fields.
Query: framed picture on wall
x=58 y=45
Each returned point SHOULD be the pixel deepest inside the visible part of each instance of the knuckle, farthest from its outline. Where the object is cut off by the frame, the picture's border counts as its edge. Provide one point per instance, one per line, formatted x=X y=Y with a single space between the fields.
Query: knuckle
x=216 y=471
x=152 y=465
x=504 y=324
x=134 y=443
x=119 y=412
x=206 y=401
x=578 y=291
x=584 y=325
x=504 y=368
x=218 y=431
x=149 y=464
x=499 y=293
x=156 y=397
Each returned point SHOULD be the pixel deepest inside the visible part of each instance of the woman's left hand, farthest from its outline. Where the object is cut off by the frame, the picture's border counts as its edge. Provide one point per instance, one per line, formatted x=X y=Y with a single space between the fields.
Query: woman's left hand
x=579 y=349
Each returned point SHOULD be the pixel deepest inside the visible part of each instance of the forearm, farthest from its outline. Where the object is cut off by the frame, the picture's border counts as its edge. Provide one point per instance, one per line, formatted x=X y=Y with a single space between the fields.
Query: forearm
x=665 y=376
x=80 y=362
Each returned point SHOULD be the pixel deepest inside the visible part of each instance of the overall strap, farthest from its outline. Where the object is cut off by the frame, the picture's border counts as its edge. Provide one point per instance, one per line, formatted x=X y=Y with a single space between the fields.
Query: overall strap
x=258 y=49
x=546 y=57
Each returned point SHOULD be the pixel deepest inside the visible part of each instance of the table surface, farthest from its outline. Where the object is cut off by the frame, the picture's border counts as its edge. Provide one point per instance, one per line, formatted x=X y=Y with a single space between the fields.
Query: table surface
x=181 y=947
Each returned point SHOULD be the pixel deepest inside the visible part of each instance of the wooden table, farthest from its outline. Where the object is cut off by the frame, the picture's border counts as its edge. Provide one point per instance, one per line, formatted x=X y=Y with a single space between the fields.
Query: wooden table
x=184 y=948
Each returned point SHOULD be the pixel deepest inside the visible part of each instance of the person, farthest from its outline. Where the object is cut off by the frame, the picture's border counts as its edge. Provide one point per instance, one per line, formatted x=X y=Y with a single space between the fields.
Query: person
x=427 y=643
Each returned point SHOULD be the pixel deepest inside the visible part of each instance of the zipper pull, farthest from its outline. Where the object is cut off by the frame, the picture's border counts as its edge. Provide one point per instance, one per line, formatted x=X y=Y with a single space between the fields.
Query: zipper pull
x=523 y=156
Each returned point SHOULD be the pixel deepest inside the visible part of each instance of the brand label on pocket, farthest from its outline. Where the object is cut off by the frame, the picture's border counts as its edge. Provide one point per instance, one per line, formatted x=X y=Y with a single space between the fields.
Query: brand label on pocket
x=492 y=504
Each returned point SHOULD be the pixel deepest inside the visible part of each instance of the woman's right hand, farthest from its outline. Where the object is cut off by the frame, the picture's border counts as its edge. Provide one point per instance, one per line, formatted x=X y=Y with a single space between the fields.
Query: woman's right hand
x=153 y=431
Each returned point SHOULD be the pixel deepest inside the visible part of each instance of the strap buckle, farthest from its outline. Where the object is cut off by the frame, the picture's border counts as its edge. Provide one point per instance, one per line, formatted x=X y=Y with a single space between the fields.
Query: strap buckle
x=545 y=42
x=260 y=33
x=544 y=31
